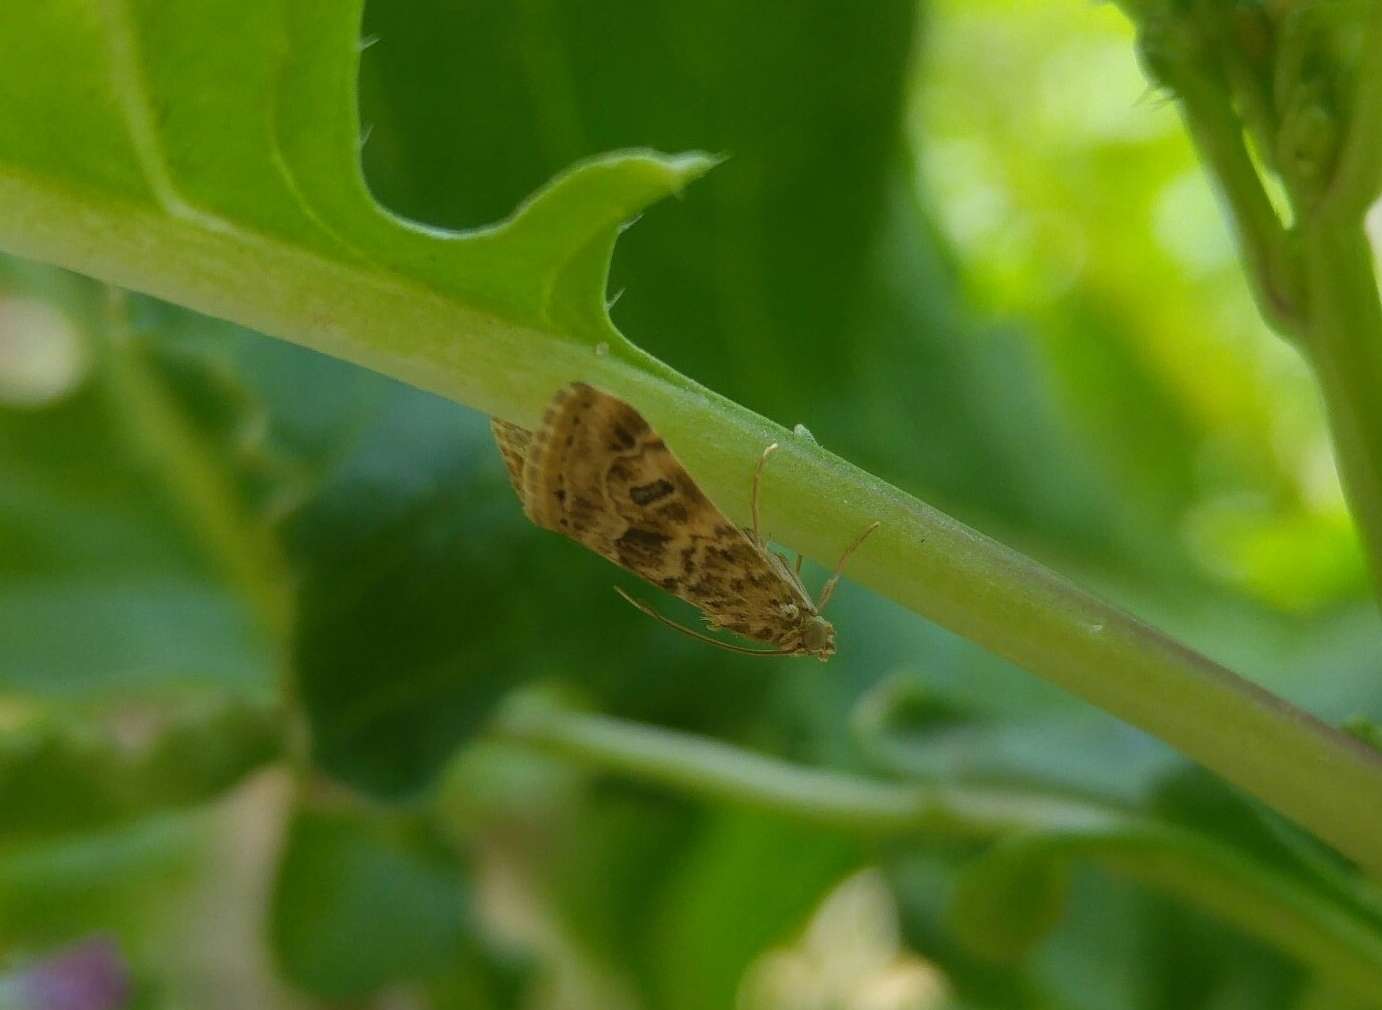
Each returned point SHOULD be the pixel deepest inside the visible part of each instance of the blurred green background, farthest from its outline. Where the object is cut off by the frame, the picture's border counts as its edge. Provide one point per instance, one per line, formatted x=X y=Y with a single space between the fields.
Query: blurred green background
x=967 y=245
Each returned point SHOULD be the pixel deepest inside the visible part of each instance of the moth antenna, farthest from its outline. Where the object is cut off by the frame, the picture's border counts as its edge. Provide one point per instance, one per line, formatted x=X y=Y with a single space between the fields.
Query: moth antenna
x=828 y=589
x=757 y=480
x=647 y=609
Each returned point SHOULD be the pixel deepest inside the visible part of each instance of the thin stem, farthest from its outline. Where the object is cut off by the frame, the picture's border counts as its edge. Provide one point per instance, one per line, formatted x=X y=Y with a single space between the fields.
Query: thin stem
x=1196 y=870
x=1262 y=239
x=721 y=772
x=1358 y=179
x=241 y=544
x=1345 y=346
x=1344 y=330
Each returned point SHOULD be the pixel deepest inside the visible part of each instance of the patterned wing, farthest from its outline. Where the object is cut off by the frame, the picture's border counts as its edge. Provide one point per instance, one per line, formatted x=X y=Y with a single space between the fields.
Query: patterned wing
x=596 y=472
x=513 y=443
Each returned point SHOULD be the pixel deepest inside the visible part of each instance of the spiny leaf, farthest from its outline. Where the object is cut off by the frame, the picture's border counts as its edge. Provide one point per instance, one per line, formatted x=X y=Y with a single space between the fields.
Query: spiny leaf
x=232 y=124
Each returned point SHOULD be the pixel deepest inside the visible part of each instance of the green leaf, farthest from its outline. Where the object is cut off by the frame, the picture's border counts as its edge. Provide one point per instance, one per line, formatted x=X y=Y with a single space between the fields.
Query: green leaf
x=363 y=901
x=406 y=612
x=909 y=727
x=227 y=132
x=1011 y=898
x=1189 y=961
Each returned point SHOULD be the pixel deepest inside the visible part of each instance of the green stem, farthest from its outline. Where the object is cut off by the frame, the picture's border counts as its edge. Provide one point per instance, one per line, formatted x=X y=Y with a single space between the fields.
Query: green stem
x=721 y=772
x=242 y=545
x=1325 y=296
x=1357 y=180
x=1344 y=341
x=1324 y=293
x=1262 y=240
x=815 y=501
x=1344 y=330
x=1194 y=869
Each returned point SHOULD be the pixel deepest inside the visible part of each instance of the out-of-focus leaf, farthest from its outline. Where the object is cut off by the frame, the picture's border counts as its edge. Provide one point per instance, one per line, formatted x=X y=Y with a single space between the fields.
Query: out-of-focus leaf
x=603 y=867
x=910 y=729
x=1009 y=899
x=772 y=872
x=135 y=512
x=116 y=880
x=903 y=704
x=1205 y=803
x=637 y=884
x=923 y=883
x=410 y=622
x=1185 y=960
x=367 y=900
x=1116 y=947
x=1365 y=729
x=63 y=777
x=1257 y=903
x=104 y=584
x=481 y=979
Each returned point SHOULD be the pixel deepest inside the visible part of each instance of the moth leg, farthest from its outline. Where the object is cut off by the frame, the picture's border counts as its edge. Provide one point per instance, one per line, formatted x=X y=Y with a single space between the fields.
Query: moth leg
x=828 y=589
x=647 y=609
x=757 y=480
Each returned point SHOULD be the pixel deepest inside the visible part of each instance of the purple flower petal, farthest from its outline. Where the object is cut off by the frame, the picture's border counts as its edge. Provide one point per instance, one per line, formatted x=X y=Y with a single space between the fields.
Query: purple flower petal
x=88 y=975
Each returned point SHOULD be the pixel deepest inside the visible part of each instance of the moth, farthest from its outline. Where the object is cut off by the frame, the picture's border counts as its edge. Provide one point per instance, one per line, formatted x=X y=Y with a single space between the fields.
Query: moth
x=596 y=472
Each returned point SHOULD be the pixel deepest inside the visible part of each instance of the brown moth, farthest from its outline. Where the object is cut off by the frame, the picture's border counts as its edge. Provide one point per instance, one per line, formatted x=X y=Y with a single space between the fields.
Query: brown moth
x=596 y=472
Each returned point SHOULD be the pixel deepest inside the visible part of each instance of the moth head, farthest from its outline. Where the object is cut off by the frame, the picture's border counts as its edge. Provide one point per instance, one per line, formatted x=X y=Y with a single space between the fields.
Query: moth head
x=818 y=637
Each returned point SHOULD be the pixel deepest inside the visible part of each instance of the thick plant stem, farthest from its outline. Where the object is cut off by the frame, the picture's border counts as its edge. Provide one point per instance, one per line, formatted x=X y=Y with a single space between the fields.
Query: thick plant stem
x=1192 y=868
x=812 y=500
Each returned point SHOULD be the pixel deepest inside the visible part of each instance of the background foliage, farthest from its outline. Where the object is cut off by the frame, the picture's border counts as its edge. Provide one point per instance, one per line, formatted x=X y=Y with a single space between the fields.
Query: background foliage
x=258 y=607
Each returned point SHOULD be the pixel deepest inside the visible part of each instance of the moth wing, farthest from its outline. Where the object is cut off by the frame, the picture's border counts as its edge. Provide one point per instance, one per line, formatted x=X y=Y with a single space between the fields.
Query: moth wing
x=563 y=476
x=513 y=443
x=598 y=473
